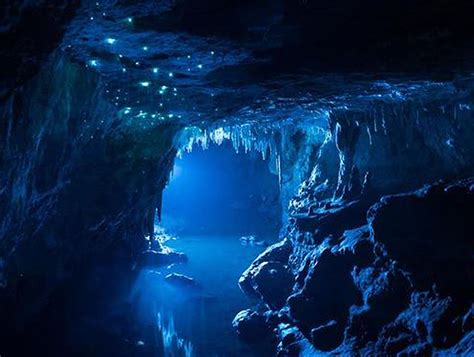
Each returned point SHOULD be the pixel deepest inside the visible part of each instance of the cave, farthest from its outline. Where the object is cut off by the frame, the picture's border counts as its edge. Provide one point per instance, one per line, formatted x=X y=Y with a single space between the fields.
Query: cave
x=236 y=178
x=220 y=190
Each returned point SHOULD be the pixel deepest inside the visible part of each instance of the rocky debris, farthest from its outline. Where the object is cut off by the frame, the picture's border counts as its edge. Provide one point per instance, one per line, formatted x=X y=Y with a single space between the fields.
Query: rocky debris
x=251 y=325
x=293 y=342
x=395 y=286
x=153 y=258
x=180 y=280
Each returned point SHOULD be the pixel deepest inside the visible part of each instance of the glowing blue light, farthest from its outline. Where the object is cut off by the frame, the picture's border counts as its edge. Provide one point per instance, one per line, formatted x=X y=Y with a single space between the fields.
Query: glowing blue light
x=137 y=63
x=189 y=56
x=145 y=84
x=129 y=20
x=145 y=48
x=200 y=66
x=93 y=63
x=164 y=87
x=213 y=53
x=124 y=70
x=155 y=70
x=171 y=74
x=110 y=40
x=127 y=110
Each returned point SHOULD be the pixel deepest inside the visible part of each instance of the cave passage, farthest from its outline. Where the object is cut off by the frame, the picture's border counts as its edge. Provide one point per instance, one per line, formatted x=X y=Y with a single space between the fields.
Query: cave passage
x=219 y=191
x=221 y=209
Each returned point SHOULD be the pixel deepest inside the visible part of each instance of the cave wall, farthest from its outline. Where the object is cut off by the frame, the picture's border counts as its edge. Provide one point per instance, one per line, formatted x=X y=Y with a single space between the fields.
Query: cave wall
x=78 y=182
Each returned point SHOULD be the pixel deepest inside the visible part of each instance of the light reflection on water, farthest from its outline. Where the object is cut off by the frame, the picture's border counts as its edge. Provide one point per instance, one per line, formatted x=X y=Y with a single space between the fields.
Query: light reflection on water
x=197 y=320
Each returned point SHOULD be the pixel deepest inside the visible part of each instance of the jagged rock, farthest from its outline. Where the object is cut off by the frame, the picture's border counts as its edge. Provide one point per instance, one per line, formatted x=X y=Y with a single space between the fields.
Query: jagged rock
x=429 y=232
x=251 y=325
x=278 y=252
x=273 y=281
x=327 y=294
x=153 y=258
x=180 y=280
x=386 y=292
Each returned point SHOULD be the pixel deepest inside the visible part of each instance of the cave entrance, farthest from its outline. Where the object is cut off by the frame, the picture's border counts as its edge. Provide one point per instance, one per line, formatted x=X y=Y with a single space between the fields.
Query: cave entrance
x=219 y=191
x=220 y=209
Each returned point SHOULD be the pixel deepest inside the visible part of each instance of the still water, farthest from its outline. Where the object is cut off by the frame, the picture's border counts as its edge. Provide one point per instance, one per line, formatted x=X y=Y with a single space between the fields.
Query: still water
x=197 y=320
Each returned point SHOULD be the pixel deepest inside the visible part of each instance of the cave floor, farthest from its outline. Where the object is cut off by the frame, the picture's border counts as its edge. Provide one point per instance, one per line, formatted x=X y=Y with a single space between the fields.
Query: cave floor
x=111 y=310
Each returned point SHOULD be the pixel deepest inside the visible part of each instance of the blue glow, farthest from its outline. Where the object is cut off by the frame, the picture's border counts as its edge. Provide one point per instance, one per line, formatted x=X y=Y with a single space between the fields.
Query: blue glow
x=206 y=194
x=110 y=40
x=145 y=84
x=93 y=63
x=155 y=70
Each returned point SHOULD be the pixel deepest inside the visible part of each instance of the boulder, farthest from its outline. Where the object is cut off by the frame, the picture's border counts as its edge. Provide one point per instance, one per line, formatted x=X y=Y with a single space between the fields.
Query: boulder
x=250 y=325
x=278 y=252
x=180 y=280
x=273 y=281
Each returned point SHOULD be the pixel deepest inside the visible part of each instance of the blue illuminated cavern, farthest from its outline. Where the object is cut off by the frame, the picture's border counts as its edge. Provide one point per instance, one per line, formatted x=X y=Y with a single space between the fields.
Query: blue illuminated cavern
x=236 y=178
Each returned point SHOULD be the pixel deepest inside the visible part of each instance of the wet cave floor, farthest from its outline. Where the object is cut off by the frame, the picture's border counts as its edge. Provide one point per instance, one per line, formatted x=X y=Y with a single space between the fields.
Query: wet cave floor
x=201 y=315
x=111 y=310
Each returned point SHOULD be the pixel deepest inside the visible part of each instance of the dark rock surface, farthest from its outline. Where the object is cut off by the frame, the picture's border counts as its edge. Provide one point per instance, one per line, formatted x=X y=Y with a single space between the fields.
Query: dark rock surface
x=153 y=258
x=399 y=286
x=251 y=325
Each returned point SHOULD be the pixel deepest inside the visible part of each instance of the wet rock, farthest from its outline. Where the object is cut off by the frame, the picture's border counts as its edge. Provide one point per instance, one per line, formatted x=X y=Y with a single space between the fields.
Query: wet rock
x=278 y=252
x=153 y=258
x=180 y=280
x=327 y=294
x=251 y=325
x=293 y=342
x=273 y=281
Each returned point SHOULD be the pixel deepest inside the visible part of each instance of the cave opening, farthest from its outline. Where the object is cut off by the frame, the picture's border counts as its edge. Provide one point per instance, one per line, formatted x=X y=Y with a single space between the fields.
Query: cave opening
x=220 y=191
x=221 y=209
